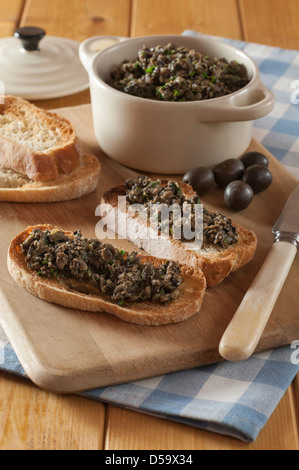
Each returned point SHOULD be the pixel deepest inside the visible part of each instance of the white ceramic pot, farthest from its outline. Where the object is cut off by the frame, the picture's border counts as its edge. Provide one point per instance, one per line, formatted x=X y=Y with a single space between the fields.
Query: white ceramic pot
x=171 y=137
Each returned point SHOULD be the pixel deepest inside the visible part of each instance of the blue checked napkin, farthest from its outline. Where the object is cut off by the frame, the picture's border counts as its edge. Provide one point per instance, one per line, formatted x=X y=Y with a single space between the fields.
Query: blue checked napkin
x=234 y=399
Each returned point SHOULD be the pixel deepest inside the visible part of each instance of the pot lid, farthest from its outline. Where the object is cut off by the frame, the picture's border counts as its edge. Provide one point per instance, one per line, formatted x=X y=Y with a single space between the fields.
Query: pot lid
x=40 y=71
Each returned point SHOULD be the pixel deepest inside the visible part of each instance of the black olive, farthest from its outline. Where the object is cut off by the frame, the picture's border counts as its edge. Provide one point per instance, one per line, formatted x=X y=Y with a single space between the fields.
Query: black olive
x=253 y=158
x=200 y=178
x=229 y=170
x=238 y=195
x=258 y=177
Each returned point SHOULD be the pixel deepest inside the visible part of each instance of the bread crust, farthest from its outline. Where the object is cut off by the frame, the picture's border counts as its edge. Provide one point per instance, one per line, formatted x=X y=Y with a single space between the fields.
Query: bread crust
x=216 y=263
x=143 y=313
x=39 y=165
x=80 y=182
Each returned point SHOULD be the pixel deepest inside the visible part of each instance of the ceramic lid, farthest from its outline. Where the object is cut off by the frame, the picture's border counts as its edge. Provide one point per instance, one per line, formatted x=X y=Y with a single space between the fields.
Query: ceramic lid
x=35 y=66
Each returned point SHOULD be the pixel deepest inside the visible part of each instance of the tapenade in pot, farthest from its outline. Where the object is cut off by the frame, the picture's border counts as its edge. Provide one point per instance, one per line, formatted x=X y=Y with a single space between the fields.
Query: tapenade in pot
x=172 y=73
x=170 y=136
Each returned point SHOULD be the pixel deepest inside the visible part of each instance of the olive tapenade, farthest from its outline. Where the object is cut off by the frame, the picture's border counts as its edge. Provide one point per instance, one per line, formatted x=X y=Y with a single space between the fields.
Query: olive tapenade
x=217 y=229
x=171 y=73
x=118 y=274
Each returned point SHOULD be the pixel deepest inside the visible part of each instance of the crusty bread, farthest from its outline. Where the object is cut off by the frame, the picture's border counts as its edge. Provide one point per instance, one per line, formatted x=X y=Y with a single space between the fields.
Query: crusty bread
x=215 y=262
x=35 y=142
x=66 y=186
x=188 y=303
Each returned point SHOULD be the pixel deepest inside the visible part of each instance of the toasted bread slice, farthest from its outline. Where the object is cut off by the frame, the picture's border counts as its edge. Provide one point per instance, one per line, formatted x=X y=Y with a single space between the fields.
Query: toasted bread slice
x=36 y=143
x=215 y=262
x=191 y=290
x=79 y=182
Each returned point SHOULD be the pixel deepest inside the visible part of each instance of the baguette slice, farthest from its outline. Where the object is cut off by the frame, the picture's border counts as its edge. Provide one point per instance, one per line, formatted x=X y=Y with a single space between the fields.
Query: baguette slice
x=80 y=182
x=187 y=304
x=215 y=262
x=35 y=142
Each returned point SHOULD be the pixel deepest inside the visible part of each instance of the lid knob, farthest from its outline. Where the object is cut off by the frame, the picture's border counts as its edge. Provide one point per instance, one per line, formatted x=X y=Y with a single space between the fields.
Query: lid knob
x=30 y=37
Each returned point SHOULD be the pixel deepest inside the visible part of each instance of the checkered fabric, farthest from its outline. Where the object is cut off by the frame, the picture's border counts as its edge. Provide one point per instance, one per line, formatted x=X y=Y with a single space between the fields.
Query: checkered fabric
x=234 y=399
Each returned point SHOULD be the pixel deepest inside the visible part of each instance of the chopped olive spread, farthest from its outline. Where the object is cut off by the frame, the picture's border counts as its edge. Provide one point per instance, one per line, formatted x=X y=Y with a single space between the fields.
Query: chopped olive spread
x=171 y=73
x=217 y=229
x=120 y=275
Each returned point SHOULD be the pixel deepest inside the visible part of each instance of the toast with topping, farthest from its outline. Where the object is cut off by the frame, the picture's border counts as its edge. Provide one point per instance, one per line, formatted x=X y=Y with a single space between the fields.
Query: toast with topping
x=87 y=274
x=226 y=245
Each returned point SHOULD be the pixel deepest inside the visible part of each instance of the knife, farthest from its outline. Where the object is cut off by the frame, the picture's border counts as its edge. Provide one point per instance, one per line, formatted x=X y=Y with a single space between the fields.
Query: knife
x=245 y=329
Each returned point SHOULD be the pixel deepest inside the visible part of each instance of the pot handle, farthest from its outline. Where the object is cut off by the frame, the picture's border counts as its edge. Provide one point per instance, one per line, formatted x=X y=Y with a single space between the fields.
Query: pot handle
x=246 y=105
x=91 y=47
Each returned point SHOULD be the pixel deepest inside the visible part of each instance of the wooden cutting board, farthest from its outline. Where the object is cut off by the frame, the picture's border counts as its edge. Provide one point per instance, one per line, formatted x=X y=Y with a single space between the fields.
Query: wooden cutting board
x=66 y=350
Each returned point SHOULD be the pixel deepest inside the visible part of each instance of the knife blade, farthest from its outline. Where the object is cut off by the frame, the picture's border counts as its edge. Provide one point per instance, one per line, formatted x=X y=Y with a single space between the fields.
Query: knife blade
x=243 y=333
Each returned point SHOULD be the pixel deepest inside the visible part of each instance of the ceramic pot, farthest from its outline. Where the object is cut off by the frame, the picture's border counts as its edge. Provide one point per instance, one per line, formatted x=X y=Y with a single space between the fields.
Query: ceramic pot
x=171 y=137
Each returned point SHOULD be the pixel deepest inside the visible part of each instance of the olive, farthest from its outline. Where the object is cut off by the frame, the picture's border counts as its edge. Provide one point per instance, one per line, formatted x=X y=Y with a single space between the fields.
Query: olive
x=258 y=177
x=253 y=158
x=229 y=170
x=200 y=178
x=238 y=195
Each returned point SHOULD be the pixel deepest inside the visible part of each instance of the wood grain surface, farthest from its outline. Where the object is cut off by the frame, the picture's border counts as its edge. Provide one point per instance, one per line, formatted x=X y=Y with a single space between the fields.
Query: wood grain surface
x=33 y=419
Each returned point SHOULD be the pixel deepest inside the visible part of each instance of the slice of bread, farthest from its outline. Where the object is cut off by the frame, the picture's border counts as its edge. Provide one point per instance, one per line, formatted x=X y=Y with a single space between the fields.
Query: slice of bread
x=15 y=187
x=215 y=262
x=36 y=143
x=191 y=290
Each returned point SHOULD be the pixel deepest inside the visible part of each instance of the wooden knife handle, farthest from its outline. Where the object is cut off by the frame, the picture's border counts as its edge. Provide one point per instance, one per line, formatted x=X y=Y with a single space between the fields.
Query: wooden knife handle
x=244 y=331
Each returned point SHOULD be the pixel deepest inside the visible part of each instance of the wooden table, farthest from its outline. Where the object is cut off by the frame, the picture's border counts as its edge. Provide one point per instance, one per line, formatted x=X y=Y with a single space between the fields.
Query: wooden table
x=31 y=418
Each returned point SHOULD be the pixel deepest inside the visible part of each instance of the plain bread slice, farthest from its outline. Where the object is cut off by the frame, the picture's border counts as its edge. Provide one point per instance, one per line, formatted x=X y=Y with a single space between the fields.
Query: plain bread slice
x=36 y=143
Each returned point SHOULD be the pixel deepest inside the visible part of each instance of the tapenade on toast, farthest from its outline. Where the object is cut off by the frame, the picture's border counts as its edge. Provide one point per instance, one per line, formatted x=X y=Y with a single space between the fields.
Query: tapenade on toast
x=87 y=274
x=226 y=245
